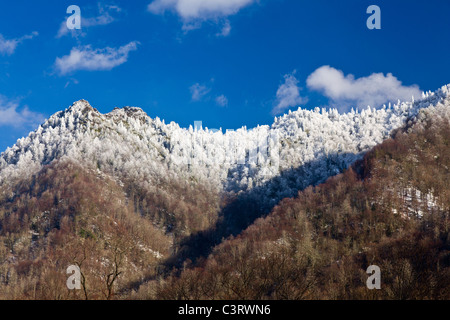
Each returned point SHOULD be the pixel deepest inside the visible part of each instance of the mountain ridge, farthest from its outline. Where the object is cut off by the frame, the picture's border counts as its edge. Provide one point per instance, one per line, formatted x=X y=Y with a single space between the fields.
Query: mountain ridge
x=118 y=193
x=127 y=142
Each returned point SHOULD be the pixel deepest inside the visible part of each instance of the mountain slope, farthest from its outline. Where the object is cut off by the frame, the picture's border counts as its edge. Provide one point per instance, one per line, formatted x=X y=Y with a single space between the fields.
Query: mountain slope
x=128 y=197
x=391 y=209
x=70 y=216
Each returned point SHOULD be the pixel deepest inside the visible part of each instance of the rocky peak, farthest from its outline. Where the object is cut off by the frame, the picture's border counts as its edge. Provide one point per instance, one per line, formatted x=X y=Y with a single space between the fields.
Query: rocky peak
x=128 y=112
x=81 y=106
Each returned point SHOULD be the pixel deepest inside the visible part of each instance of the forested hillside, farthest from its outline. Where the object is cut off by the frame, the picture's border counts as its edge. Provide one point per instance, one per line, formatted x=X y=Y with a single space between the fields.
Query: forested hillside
x=149 y=210
x=392 y=209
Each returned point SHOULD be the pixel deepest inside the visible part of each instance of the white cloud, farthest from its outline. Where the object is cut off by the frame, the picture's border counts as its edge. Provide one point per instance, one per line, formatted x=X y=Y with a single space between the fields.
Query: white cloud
x=105 y=17
x=192 y=12
x=9 y=46
x=71 y=81
x=288 y=95
x=346 y=91
x=11 y=116
x=226 y=29
x=199 y=9
x=111 y=8
x=222 y=101
x=198 y=91
x=86 y=58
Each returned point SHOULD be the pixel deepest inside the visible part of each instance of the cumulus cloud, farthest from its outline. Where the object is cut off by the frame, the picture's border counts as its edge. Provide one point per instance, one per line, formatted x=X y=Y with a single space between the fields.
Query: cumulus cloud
x=105 y=17
x=288 y=95
x=222 y=100
x=198 y=91
x=10 y=115
x=346 y=91
x=199 y=9
x=87 y=58
x=7 y=47
x=193 y=11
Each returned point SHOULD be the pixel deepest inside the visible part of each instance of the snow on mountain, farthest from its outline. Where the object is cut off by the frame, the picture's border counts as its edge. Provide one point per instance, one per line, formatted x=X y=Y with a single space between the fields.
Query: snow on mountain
x=300 y=148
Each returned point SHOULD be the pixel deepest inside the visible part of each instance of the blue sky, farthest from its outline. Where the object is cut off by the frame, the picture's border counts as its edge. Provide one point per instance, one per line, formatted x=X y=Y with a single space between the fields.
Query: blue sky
x=228 y=63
